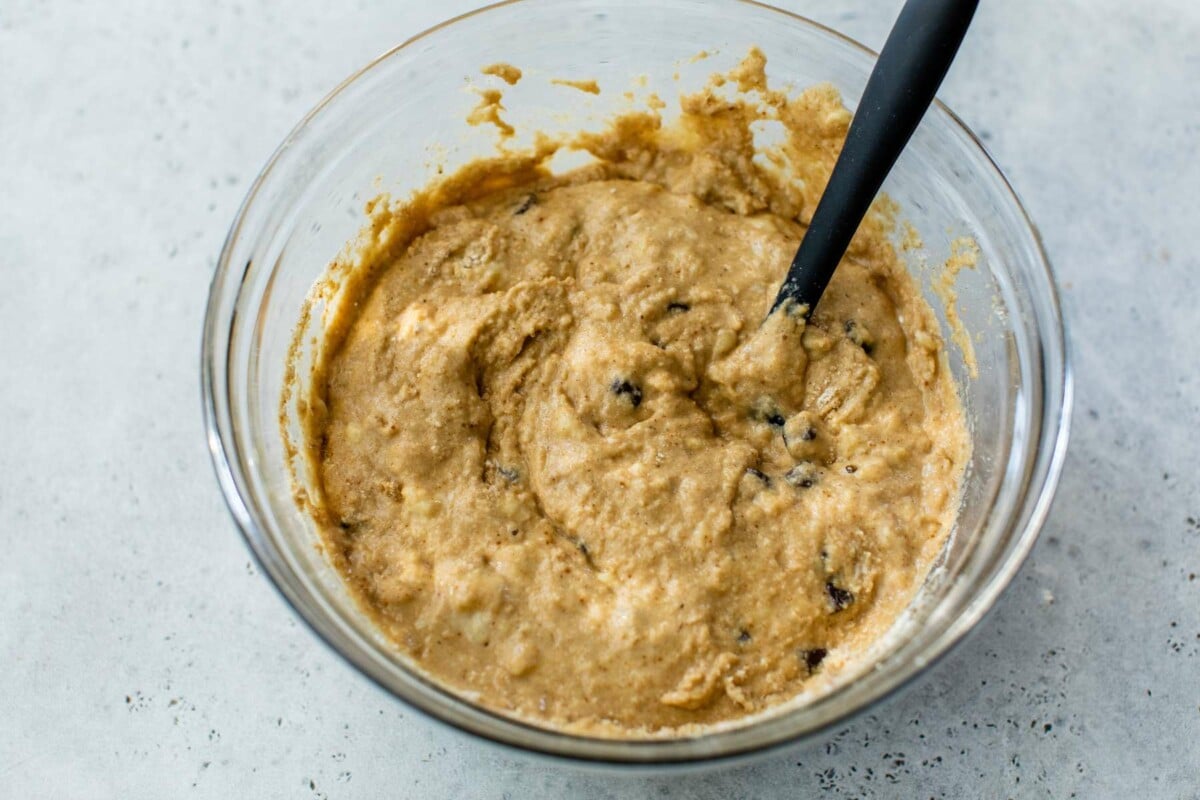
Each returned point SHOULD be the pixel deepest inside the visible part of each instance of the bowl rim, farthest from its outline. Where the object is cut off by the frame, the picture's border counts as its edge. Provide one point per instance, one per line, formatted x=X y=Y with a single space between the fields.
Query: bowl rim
x=224 y=453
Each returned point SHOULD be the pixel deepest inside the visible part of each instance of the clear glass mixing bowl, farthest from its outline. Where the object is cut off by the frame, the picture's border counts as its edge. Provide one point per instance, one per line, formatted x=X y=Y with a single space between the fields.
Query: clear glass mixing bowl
x=389 y=127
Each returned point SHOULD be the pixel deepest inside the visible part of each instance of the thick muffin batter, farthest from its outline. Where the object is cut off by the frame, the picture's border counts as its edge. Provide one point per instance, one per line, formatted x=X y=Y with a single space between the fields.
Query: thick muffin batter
x=574 y=475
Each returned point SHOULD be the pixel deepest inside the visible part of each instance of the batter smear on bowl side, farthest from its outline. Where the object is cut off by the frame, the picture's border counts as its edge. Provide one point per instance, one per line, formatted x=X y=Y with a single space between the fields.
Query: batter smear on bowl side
x=571 y=472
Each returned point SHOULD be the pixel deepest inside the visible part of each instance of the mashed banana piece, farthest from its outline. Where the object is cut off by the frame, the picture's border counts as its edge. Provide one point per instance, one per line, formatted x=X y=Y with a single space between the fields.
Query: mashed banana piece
x=571 y=471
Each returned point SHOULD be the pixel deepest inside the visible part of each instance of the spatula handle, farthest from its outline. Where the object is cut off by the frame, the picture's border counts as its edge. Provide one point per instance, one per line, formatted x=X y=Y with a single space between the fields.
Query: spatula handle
x=905 y=79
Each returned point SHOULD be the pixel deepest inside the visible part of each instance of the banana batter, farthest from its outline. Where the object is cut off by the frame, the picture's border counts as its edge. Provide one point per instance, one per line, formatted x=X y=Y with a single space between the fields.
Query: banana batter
x=574 y=475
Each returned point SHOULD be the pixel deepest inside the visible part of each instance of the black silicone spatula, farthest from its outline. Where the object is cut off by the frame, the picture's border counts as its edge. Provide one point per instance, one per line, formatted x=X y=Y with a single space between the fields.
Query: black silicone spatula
x=907 y=75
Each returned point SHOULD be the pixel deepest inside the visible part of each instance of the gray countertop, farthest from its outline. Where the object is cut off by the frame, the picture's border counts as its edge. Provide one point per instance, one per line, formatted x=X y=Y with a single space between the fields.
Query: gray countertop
x=142 y=655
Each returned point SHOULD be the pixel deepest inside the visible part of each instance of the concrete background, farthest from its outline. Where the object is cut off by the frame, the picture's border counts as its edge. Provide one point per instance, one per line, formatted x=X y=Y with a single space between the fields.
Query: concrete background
x=141 y=656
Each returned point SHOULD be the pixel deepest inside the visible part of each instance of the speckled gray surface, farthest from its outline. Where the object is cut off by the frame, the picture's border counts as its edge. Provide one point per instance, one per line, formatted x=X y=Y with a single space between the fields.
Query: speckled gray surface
x=142 y=656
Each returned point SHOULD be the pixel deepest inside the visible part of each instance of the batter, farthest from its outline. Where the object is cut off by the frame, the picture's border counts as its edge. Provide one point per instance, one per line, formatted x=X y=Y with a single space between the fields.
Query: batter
x=570 y=470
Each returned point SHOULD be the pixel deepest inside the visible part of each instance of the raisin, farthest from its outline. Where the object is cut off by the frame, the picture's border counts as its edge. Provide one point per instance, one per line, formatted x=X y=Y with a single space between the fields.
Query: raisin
x=676 y=307
x=762 y=476
x=508 y=473
x=839 y=597
x=802 y=476
x=850 y=468
x=775 y=420
x=809 y=434
x=743 y=636
x=529 y=201
x=813 y=657
x=623 y=388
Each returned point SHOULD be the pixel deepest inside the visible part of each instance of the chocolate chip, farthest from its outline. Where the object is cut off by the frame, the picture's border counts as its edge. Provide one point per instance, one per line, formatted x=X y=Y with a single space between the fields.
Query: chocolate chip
x=802 y=476
x=765 y=410
x=529 y=201
x=809 y=434
x=813 y=657
x=762 y=476
x=859 y=335
x=743 y=636
x=676 y=307
x=839 y=597
x=623 y=388
x=850 y=468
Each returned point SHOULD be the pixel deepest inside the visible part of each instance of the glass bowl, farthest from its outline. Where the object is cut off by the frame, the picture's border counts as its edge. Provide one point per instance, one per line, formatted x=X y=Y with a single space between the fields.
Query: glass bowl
x=394 y=124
